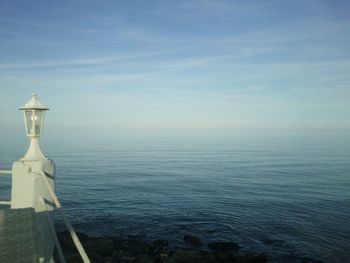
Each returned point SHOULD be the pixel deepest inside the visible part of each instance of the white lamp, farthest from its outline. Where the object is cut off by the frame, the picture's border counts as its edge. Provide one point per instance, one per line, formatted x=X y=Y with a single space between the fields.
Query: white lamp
x=34 y=113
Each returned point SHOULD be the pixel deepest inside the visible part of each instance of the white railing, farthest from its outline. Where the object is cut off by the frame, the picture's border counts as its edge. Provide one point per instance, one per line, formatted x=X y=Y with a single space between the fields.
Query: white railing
x=69 y=226
x=59 y=208
x=6 y=172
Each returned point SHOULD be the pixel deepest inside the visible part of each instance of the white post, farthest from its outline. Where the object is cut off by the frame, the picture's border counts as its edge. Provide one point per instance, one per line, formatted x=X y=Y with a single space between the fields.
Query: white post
x=28 y=188
x=34 y=152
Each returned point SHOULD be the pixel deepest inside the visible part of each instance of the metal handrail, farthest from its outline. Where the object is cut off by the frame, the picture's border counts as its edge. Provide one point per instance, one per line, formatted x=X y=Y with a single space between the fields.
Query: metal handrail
x=52 y=228
x=5 y=202
x=66 y=220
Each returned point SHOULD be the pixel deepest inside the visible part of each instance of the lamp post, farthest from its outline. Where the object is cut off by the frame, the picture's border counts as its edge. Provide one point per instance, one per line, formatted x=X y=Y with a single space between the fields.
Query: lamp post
x=28 y=187
x=34 y=113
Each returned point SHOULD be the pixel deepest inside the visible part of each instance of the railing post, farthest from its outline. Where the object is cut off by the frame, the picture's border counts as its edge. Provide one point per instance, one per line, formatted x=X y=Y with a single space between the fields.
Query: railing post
x=27 y=191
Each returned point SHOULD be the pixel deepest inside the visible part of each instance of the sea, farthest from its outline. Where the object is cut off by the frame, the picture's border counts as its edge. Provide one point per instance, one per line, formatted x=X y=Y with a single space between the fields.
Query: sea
x=285 y=193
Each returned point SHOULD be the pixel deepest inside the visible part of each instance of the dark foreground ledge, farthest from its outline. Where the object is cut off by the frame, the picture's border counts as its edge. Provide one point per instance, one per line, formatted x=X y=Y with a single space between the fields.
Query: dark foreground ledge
x=136 y=250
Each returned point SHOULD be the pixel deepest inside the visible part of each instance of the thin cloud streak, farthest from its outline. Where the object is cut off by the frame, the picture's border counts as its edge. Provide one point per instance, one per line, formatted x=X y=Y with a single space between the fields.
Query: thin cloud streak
x=220 y=62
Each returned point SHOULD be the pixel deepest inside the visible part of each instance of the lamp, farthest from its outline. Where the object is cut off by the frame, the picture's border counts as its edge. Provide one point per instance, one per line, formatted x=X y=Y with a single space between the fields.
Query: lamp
x=34 y=113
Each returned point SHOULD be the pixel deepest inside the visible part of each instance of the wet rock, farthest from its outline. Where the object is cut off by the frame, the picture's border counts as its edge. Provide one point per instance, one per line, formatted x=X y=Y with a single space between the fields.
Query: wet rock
x=118 y=255
x=135 y=250
x=123 y=257
x=143 y=259
x=161 y=258
x=225 y=256
x=252 y=258
x=182 y=256
x=102 y=246
x=262 y=258
x=161 y=243
x=157 y=247
x=134 y=246
x=108 y=260
x=207 y=257
x=223 y=246
x=296 y=259
x=95 y=258
x=149 y=249
x=311 y=260
x=73 y=258
x=193 y=240
x=233 y=256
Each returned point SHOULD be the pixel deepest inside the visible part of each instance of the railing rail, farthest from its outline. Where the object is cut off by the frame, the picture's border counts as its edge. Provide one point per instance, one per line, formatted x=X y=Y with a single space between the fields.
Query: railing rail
x=6 y=172
x=65 y=219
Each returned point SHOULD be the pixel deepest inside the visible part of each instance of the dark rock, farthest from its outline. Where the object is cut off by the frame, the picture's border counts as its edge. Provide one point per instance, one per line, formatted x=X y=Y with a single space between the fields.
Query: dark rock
x=118 y=255
x=182 y=256
x=108 y=260
x=225 y=256
x=296 y=259
x=193 y=240
x=207 y=257
x=262 y=258
x=157 y=247
x=142 y=259
x=149 y=249
x=95 y=258
x=134 y=246
x=311 y=260
x=251 y=258
x=122 y=257
x=102 y=246
x=161 y=258
x=161 y=243
x=223 y=246
x=135 y=250
x=73 y=258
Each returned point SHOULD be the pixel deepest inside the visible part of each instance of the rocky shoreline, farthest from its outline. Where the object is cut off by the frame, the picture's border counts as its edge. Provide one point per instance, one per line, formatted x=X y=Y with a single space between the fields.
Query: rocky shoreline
x=136 y=250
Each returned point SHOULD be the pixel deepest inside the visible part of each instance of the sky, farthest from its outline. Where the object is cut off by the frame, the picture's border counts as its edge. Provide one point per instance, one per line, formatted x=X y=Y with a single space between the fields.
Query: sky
x=177 y=64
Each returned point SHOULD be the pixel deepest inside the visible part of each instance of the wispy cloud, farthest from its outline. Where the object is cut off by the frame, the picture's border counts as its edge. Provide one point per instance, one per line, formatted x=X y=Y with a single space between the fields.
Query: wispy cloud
x=214 y=61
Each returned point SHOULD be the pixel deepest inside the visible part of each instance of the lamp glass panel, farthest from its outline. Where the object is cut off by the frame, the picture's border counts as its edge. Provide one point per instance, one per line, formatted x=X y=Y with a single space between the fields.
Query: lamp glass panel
x=38 y=120
x=34 y=120
x=29 y=124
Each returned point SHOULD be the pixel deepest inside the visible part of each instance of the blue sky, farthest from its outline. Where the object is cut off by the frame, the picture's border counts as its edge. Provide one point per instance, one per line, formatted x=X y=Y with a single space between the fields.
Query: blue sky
x=166 y=64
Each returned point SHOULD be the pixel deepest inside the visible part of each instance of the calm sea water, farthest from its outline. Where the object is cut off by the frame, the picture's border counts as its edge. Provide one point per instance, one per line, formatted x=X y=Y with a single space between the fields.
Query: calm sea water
x=283 y=193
